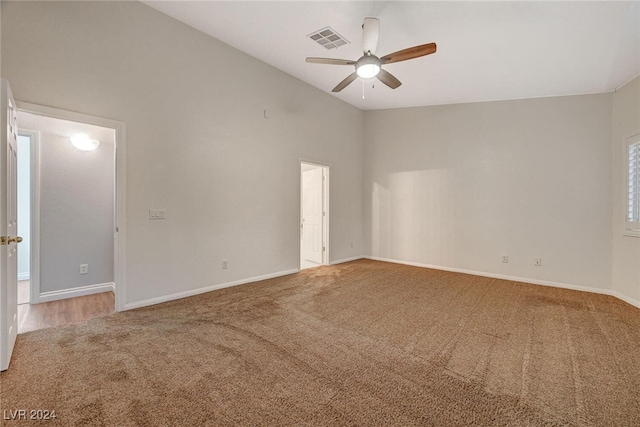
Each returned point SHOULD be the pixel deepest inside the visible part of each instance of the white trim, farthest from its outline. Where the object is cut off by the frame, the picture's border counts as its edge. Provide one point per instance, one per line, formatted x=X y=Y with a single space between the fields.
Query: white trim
x=73 y=116
x=623 y=297
x=33 y=137
x=119 y=234
x=77 y=292
x=325 y=218
x=514 y=279
x=34 y=265
x=343 y=260
x=192 y=292
x=34 y=250
x=314 y=163
x=631 y=229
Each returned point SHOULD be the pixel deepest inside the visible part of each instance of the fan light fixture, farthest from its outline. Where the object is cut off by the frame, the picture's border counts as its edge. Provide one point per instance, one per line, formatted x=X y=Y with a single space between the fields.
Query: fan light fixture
x=368 y=66
x=84 y=143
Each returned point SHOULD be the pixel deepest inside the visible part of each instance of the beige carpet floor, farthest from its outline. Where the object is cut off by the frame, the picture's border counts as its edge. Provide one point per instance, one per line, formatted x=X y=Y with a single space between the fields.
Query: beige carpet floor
x=362 y=343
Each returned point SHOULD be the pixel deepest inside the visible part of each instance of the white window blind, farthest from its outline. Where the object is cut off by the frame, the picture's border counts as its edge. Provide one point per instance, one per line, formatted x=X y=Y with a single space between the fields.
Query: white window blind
x=633 y=184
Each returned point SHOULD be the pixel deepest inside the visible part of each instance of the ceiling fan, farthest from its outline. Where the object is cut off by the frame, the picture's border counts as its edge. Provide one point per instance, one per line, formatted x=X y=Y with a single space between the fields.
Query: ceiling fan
x=369 y=65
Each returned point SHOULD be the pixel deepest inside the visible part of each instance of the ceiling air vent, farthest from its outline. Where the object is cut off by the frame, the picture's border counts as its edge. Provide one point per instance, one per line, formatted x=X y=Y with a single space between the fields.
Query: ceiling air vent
x=328 y=38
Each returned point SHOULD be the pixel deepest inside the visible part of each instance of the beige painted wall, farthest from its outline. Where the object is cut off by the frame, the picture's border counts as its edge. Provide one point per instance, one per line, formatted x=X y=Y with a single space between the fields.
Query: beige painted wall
x=198 y=144
x=457 y=186
x=626 y=250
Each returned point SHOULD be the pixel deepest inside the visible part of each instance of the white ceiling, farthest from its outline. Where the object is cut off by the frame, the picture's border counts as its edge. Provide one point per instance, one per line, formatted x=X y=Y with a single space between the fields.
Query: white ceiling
x=486 y=50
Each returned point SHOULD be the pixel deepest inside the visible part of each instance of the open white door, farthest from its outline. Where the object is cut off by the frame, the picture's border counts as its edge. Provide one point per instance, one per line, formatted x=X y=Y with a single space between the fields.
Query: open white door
x=312 y=233
x=8 y=227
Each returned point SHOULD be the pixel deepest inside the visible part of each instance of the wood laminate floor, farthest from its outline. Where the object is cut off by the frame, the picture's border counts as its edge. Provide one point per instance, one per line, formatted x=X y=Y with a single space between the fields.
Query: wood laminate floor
x=63 y=312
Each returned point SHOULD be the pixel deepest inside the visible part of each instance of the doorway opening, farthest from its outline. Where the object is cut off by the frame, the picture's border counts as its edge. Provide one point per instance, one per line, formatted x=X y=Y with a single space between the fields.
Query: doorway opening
x=314 y=215
x=72 y=178
x=73 y=208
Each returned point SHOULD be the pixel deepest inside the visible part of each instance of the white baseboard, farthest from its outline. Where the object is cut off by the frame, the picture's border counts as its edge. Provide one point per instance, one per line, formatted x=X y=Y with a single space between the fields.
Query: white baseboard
x=343 y=260
x=77 y=292
x=624 y=298
x=192 y=292
x=515 y=279
x=24 y=276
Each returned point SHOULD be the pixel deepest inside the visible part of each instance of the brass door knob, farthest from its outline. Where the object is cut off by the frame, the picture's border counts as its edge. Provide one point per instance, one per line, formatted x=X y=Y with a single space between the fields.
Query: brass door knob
x=7 y=240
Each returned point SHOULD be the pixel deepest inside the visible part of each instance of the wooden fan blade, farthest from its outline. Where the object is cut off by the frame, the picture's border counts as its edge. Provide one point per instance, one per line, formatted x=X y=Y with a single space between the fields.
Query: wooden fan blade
x=409 y=53
x=346 y=82
x=330 y=61
x=388 y=79
x=370 y=33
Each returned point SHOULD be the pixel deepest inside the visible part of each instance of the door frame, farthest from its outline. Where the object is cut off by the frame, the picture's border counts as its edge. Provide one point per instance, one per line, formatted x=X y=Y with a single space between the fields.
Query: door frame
x=119 y=246
x=34 y=214
x=325 y=218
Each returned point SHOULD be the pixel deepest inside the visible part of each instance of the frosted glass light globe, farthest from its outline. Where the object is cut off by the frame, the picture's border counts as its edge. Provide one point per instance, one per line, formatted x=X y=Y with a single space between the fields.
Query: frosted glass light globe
x=368 y=66
x=84 y=143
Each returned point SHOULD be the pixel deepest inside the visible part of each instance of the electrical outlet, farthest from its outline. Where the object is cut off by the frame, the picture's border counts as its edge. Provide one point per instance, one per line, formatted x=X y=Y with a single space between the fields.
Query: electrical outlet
x=224 y=264
x=84 y=268
x=505 y=258
x=537 y=262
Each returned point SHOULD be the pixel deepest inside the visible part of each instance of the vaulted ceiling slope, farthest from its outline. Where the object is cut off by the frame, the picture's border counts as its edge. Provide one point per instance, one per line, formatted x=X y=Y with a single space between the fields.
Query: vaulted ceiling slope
x=486 y=50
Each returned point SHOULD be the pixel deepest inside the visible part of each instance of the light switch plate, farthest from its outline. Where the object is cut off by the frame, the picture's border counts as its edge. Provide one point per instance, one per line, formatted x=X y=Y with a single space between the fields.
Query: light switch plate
x=156 y=213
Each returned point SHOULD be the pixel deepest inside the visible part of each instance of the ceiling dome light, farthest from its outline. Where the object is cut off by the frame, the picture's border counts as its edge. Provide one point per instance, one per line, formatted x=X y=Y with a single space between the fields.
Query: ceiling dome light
x=368 y=66
x=84 y=143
